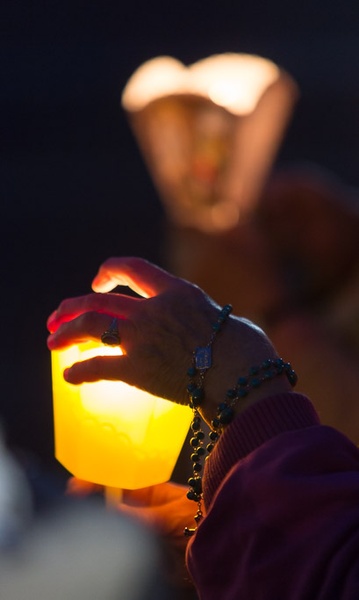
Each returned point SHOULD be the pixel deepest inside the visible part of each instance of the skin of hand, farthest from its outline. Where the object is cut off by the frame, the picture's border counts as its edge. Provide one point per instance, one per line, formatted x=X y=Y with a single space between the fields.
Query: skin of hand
x=159 y=331
x=149 y=504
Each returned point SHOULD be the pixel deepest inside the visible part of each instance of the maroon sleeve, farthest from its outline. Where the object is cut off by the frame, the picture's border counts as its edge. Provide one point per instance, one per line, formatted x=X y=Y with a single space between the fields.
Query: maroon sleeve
x=282 y=498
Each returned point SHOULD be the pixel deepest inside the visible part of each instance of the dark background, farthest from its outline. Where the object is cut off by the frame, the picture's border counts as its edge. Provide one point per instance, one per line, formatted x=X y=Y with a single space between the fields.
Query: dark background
x=74 y=189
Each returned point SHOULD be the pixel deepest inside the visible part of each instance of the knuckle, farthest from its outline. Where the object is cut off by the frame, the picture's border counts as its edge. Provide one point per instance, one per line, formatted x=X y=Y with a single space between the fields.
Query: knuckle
x=64 y=307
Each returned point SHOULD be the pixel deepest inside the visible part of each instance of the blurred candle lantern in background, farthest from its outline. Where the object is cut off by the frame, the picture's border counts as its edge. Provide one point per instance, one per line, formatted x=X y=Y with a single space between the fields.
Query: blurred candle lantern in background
x=111 y=433
x=209 y=132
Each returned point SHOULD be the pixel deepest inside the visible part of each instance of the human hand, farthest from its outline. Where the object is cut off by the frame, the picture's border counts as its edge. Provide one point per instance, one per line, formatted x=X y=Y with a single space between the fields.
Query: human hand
x=158 y=332
x=164 y=506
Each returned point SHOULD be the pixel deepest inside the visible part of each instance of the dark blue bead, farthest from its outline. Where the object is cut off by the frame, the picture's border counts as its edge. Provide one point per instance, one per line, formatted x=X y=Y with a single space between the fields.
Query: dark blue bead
x=194 y=442
x=243 y=381
x=226 y=415
x=197 y=485
x=221 y=407
x=196 y=425
x=242 y=393
x=215 y=423
x=267 y=363
x=198 y=517
x=292 y=377
x=255 y=383
x=253 y=370
x=197 y=396
x=191 y=495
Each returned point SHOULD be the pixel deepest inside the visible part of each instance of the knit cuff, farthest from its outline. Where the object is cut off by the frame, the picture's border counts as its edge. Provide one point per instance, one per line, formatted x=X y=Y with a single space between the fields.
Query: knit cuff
x=252 y=428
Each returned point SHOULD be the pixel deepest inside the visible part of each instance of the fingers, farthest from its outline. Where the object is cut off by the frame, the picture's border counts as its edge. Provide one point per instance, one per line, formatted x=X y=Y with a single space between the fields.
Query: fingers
x=112 y=368
x=115 y=305
x=141 y=276
x=88 y=326
x=170 y=518
x=155 y=495
x=81 y=488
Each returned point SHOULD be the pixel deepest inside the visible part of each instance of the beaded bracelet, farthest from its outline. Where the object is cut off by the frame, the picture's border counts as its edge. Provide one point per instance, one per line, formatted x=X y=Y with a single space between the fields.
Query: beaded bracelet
x=257 y=375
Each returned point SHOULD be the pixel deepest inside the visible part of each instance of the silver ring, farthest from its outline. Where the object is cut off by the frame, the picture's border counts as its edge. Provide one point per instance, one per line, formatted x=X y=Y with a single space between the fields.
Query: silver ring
x=111 y=337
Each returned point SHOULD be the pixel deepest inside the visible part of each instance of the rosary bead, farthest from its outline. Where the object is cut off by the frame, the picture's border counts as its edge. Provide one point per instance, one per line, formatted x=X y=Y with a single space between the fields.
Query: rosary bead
x=196 y=424
x=196 y=484
x=191 y=372
x=256 y=382
x=191 y=387
x=191 y=495
x=269 y=375
x=226 y=416
x=198 y=517
x=267 y=363
x=242 y=393
x=197 y=396
x=215 y=423
x=195 y=457
x=194 y=441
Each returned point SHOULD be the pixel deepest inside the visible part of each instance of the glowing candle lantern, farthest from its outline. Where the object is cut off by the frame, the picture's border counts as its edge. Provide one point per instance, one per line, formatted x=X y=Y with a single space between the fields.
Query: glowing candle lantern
x=209 y=133
x=111 y=433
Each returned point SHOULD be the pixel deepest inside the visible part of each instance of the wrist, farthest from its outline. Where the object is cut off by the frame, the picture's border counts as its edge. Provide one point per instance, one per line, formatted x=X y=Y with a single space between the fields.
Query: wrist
x=268 y=377
x=240 y=347
x=243 y=355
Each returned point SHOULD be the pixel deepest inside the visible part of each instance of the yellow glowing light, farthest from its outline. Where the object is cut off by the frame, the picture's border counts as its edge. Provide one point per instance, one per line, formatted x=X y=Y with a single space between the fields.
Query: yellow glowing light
x=209 y=133
x=111 y=433
x=234 y=81
x=157 y=77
